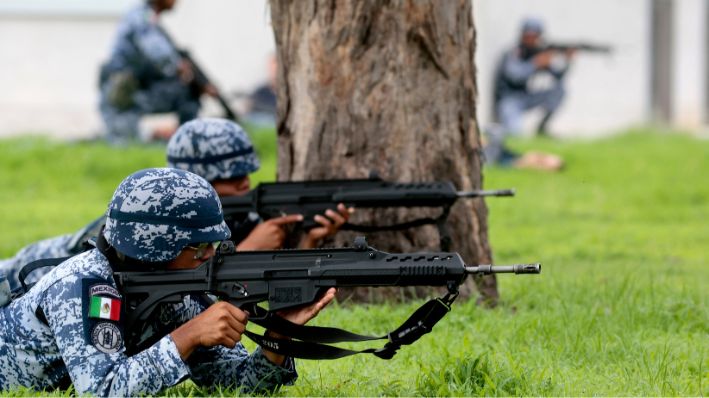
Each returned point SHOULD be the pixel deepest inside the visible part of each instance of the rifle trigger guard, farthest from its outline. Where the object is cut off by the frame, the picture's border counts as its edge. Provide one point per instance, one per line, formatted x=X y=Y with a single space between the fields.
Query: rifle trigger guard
x=255 y=312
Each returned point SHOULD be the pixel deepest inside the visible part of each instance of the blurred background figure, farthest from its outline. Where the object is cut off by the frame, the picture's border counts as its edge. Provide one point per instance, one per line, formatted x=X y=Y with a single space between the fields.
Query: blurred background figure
x=262 y=100
x=146 y=74
x=529 y=76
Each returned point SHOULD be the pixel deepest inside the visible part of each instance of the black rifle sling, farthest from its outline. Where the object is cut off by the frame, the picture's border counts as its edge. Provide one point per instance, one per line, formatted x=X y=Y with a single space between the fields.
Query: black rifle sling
x=440 y=222
x=30 y=267
x=313 y=334
x=310 y=338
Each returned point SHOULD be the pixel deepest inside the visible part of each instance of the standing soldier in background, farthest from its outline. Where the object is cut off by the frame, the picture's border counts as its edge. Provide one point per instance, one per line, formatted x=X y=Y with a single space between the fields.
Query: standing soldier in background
x=146 y=74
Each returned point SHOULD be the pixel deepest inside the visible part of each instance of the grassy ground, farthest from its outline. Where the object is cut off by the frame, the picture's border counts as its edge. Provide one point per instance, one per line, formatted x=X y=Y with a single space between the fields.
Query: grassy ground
x=620 y=309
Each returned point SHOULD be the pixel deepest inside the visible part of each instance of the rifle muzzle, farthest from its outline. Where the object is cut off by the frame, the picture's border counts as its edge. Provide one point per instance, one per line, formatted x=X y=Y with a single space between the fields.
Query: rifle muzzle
x=534 y=268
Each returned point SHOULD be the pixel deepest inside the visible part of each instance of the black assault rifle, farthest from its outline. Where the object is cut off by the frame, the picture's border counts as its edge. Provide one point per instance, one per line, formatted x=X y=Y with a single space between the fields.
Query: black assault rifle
x=309 y=198
x=291 y=278
x=581 y=46
x=200 y=79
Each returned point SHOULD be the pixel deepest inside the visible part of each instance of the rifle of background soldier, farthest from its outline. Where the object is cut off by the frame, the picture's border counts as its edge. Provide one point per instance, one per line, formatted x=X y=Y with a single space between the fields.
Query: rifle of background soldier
x=199 y=82
x=311 y=198
x=585 y=47
x=544 y=54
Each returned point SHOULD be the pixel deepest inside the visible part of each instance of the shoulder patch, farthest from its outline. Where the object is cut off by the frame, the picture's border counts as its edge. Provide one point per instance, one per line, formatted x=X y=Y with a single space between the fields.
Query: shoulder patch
x=104 y=290
x=101 y=309
x=106 y=337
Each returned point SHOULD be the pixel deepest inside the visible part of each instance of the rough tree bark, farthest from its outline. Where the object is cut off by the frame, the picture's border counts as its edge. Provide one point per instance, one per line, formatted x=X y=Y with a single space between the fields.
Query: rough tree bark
x=384 y=86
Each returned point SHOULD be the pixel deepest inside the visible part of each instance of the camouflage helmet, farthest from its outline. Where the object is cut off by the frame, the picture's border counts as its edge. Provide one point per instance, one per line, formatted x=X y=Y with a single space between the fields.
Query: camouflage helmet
x=155 y=213
x=533 y=25
x=212 y=148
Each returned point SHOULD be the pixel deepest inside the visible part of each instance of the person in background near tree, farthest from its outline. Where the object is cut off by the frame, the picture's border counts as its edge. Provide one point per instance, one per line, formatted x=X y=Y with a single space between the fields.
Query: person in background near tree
x=146 y=74
x=67 y=329
x=516 y=91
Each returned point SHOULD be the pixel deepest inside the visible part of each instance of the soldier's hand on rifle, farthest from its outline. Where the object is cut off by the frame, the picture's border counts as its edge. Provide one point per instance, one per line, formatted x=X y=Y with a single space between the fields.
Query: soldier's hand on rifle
x=185 y=71
x=570 y=53
x=269 y=234
x=543 y=59
x=330 y=223
x=220 y=324
x=299 y=316
x=210 y=90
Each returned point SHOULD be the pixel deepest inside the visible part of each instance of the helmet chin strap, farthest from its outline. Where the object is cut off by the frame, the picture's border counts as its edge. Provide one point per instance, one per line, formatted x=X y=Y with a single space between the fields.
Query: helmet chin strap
x=120 y=261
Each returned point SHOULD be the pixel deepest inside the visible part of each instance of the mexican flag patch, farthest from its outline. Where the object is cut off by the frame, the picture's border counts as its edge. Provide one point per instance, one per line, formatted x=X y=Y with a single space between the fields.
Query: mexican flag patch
x=105 y=308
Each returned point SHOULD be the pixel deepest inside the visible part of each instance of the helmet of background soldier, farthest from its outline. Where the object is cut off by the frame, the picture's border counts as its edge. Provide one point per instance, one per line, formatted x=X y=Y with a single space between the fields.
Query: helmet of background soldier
x=155 y=213
x=532 y=25
x=216 y=149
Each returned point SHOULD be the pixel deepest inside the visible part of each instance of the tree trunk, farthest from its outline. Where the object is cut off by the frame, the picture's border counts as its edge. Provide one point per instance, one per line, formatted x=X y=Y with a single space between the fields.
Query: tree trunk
x=386 y=87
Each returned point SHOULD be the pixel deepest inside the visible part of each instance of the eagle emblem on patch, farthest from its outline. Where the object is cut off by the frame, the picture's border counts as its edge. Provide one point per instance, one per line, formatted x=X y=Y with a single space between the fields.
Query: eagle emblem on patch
x=106 y=337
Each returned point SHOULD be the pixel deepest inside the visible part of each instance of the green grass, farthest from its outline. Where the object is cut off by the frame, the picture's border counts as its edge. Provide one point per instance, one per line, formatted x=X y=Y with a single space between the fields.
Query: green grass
x=620 y=309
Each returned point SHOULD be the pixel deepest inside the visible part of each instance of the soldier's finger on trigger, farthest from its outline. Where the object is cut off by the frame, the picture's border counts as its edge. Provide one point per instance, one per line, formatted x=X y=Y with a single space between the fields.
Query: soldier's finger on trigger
x=322 y=220
x=288 y=219
x=335 y=216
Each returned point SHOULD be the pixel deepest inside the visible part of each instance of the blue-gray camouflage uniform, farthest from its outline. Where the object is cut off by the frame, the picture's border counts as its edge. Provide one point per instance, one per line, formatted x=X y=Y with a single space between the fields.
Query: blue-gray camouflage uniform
x=216 y=149
x=58 y=246
x=209 y=147
x=141 y=77
x=57 y=332
x=514 y=94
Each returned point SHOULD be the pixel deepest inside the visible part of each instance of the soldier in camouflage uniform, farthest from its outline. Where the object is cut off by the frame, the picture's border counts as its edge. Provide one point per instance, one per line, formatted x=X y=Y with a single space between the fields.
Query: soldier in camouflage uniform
x=220 y=151
x=145 y=74
x=516 y=92
x=67 y=328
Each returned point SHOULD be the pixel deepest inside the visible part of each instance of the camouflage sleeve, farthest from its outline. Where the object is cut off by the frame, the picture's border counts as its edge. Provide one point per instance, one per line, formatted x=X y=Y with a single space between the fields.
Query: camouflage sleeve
x=103 y=369
x=221 y=366
x=156 y=47
x=516 y=69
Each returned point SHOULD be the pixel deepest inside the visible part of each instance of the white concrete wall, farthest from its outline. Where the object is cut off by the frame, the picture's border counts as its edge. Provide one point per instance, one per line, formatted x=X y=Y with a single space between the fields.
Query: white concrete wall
x=604 y=93
x=49 y=78
x=689 y=80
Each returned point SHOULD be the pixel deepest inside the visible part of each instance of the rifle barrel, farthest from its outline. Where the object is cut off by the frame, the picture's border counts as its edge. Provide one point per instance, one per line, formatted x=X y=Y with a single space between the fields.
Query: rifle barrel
x=534 y=268
x=494 y=192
